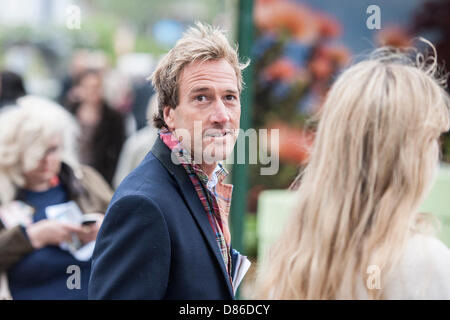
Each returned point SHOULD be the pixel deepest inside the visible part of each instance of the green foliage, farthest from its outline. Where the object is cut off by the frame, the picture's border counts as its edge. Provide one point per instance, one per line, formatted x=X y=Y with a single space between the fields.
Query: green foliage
x=281 y=180
x=97 y=32
x=146 y=43
x=250 y=235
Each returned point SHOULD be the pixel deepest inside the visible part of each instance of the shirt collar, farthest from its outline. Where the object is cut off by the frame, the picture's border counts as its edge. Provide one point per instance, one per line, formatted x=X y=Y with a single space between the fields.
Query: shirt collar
x=217 y=176
x=183 y=156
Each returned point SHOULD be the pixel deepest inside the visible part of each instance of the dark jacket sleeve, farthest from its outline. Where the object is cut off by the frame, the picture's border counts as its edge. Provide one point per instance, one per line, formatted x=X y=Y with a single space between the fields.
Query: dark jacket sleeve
x=14 y=245
x=131 y=259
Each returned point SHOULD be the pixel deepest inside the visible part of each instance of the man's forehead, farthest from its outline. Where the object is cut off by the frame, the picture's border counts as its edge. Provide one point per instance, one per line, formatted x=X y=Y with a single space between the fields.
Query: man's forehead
x=208 y=73
x=201 y=88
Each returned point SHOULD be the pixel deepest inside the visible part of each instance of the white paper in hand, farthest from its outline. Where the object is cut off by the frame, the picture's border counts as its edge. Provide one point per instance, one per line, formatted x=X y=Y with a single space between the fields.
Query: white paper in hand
x=70 y=212
x=242 y=266
x=65 y=212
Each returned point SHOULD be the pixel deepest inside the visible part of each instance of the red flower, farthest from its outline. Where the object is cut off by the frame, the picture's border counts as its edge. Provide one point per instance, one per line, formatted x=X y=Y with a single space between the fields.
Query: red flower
x=294 y=143
x=337 y=54
x=286 y=16
x=327 y=59
x=393 y=36
x=328 y=26
x=321 y=67
x=282 y=69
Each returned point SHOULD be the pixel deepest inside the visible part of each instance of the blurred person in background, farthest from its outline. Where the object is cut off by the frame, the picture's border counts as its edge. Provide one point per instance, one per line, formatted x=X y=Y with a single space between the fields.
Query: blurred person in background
x=11 y=88
x=102 y=128
x=118 y=94
x=356 y=232
x=81 y=61
x=78 y=65
x=137 y=146
x=39 y=174
x=142 y=93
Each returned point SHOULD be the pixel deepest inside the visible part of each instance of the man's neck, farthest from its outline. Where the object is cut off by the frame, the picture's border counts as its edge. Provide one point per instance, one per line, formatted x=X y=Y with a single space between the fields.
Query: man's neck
x=208 y=168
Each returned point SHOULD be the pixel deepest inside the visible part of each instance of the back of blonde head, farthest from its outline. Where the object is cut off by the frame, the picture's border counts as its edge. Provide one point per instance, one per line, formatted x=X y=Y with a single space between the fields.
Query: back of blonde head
x=372 y=162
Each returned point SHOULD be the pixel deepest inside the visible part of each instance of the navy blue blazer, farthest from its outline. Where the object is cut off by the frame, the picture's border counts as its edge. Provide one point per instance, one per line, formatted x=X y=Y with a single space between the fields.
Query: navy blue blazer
x=156 y=241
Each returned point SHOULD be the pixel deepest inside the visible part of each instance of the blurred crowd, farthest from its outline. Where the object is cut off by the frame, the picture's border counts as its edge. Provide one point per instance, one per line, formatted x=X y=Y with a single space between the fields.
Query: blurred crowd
x=59 y=164
x=109 y=108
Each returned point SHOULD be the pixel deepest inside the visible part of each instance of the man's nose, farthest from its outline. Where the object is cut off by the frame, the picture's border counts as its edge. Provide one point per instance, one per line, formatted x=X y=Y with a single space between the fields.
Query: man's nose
x=220 y=112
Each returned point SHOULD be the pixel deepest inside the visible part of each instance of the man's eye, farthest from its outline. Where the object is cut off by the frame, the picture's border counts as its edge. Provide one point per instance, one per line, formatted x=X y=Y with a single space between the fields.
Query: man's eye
x=230 y=97
x=201 y=98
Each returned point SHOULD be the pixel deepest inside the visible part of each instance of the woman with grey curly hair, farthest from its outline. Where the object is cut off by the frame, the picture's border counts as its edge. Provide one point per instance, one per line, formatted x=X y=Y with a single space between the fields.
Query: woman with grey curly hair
x=44 y=194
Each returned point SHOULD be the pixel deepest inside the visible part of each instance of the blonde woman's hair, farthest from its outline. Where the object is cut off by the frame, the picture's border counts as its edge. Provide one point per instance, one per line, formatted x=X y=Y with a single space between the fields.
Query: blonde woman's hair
x=200 y=43
x=25 y=133
x=372 y=162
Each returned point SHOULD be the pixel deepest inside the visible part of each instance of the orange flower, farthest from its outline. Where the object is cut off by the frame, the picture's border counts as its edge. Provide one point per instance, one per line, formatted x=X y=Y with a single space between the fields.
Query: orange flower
x=282 y=69
x=339 y=55
x=393 y=36
x=328 y=26
x=294 y=143
x=321 y=67
x=283 y=15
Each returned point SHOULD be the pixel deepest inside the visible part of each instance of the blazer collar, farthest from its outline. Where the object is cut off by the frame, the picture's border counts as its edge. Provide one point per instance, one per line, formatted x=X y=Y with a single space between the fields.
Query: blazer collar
x=163 y=154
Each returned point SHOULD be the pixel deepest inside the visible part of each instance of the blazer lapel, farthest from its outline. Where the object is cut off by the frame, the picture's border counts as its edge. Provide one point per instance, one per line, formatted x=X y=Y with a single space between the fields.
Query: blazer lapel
x=163 y=154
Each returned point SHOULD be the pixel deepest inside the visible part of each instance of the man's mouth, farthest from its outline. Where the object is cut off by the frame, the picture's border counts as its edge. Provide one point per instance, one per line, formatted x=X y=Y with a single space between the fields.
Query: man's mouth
x=218 y=134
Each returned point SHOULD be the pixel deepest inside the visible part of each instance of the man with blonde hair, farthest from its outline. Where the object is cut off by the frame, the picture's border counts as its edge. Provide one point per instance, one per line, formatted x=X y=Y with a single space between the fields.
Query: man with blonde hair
x=166 y=235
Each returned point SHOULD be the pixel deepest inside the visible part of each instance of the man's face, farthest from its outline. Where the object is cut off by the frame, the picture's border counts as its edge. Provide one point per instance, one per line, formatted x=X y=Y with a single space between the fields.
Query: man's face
x=206 y=119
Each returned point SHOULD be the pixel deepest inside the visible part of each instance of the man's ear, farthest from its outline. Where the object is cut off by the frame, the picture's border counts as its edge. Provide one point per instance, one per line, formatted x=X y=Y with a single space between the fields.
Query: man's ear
x=168 y=117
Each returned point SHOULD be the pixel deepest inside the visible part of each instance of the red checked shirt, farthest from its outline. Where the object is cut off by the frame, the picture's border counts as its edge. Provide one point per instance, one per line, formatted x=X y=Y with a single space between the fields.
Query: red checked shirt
x=214 y=195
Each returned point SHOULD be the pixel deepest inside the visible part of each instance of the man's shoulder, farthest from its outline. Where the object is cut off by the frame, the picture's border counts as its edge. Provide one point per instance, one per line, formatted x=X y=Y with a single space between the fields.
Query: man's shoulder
x=149 y=179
